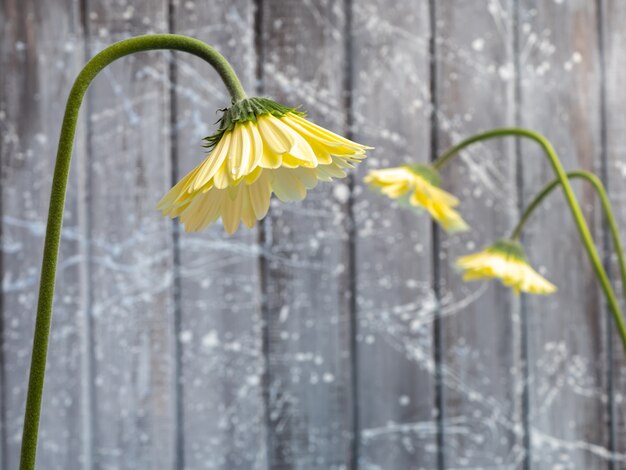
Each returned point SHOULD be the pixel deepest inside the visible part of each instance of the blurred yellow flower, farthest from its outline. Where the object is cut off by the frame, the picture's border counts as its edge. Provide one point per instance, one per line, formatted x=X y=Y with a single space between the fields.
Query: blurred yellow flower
x=419 y=186
x=505 y=260
x=261 y=148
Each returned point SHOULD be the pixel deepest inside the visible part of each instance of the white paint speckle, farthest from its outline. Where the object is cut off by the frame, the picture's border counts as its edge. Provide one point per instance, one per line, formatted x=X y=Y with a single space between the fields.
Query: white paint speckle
x=129 y=12
x=506 y=72
x=185 y=337
x=341 y=193
x=210 y=340
x=284 y=314
x=478 y=44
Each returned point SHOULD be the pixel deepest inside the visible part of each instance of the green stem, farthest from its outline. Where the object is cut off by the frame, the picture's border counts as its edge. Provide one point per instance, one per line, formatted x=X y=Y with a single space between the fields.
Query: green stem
x=571 y=199
x=606 y=207
x=57 y=202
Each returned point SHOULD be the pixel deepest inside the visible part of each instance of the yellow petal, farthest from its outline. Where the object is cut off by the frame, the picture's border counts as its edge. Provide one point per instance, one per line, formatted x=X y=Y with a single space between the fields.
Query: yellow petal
x=213 y=162
x=231 y=212
x=307 y=176
x=303 y=152
x=278 y=137
x=386 y=176
x=222 y=178
x=270 y=159
x=177 y=193
x=286 y=186
x=260 y=193
x=247 y=211
x=204 y=209
x=252 y=177
x=324 y=135
x=322 y=154
x=239 y=152
x=256 y=147
x=329 y=172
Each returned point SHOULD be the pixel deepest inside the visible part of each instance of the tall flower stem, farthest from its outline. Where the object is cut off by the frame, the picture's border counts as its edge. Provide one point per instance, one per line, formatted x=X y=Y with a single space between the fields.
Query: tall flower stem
x=57 y=202
x=570 y=197
x=610 y=218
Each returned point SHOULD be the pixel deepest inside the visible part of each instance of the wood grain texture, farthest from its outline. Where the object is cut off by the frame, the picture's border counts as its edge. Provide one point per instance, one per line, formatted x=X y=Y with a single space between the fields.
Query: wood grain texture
x=202 y=351
x=221 y=333
x=395 y=302
x=131 y=256
x=567 y=352
x=614 y=38
x=475 y=83
x=41 y=52
x=308 y=304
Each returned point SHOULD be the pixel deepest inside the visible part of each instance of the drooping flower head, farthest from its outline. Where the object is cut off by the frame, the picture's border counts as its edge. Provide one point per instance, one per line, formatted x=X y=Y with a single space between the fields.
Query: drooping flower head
x=260 y=148
x=505 y=260
x=419 y=186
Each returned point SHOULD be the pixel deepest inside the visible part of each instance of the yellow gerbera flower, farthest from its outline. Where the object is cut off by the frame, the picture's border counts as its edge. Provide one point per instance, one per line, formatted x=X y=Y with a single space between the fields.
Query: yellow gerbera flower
x=419 y=186
x=505 y=260
x=261 y=148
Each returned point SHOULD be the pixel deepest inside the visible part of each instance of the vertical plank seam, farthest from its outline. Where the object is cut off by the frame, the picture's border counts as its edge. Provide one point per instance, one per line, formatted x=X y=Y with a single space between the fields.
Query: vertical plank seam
x=263 y=268
x=178 y=386
x=348 y=106
x=88 y=362
x=3 y=404
x=436 y=245
x=519 y=181
x=3 y=401
x=606 y=251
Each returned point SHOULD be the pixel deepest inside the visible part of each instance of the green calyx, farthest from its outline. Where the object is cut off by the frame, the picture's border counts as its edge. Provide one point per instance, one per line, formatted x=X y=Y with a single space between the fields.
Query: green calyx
x=248 y=109
x=509 y=248
x=428 y=172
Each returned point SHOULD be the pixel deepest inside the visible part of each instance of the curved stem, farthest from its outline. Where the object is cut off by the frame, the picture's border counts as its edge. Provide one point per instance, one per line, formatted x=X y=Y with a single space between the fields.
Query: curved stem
x=606 y=207
x=571 y=199
x=57 y=202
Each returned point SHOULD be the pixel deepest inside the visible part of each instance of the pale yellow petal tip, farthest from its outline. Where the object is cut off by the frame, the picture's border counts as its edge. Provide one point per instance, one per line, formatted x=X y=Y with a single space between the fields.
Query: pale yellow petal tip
x=547 y=290
x=505 y=261
x=458 y=228
x=452 y=223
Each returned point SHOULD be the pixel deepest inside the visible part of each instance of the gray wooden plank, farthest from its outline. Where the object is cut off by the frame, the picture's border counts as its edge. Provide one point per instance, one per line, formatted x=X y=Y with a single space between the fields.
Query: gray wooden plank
x=560 y=98
x=131 y=246
x=220 y=337
x=481 y=335
x=613 y=16
x=40 y=54
x=308 y=305
x=393 y=248
x=3 y=85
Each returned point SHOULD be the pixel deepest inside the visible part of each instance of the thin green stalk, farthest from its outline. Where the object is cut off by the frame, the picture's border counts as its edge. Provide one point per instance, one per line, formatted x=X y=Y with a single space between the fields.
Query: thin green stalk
x=606 y=207
x=571 y=199
x=57 y=202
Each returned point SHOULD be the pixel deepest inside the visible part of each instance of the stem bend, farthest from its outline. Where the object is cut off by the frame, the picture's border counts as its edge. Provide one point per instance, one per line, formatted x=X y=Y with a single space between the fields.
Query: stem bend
x=57 y=202
x=600 y=190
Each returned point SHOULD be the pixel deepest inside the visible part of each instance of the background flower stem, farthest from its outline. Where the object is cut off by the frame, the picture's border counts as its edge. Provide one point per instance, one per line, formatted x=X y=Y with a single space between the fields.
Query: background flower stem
x=608 y=212
x=572 y=201
x=57 y=202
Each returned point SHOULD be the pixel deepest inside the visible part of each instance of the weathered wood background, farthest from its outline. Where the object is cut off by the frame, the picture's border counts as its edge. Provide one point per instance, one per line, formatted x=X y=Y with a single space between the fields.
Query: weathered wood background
x=337 y=335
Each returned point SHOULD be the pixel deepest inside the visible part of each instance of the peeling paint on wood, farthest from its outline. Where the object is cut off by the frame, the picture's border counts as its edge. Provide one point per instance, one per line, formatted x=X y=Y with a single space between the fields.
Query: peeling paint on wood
x=308 y=342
